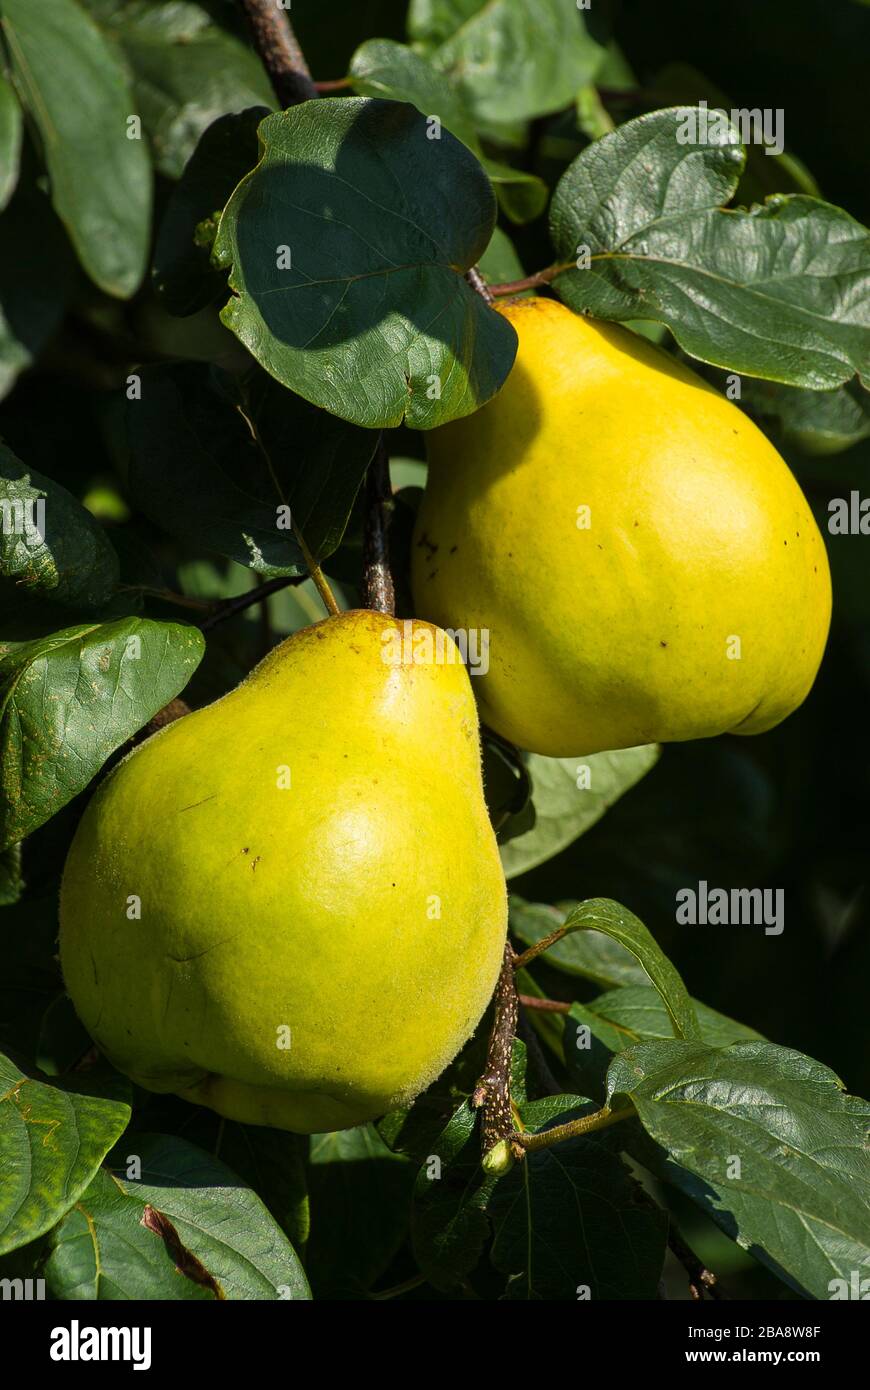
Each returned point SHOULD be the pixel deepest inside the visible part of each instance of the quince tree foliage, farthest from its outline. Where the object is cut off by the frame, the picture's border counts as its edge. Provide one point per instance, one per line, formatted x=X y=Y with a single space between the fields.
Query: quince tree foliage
x=496 y=967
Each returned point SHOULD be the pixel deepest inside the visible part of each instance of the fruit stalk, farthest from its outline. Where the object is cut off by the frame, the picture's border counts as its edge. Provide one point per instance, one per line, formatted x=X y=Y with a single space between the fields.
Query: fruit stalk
x=378 y=589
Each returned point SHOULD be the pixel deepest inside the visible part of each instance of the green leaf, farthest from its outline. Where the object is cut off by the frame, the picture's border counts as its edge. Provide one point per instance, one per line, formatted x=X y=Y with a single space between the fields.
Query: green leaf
x=382 y=68
x=568 y=796
x=562 y=1218
x=183 y=272
x=220 y=1241
x=56 y=551
x=765 y=172
x=272 y=1163
x=781 y=291
x=816 y=422
x=590 y=955
x=615 y=921
x=69 y=700
x=637 y=1013
x=53 y=1139
x=451 y=1228
x=195 y=469
x=33 y=289
x=373 y=320
x=63 y=1039
x=76 y=91
x=500 y=262
x=11 y=129
x=30 y=979
x=187 y=71
x=11 y=879
x=620 y=1019
x=430 y=22
x=568 y=1222
x=512 y=60
x=767 y=1143
x=360 y=1206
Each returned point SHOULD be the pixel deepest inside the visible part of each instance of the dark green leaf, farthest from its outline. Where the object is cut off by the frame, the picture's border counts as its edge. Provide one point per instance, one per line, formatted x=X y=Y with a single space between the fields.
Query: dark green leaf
x=614 y=920
x=195 y=469
x=816 y=422
x=183 y=271
x=53 y=1139
x=765 y=171
x=451 y=1228
x=511 y=59
x=271 y=1161
x=568 y=796
x=76 y=92
x=781 y=291
x=768 y=1144
x=382 y=68
x=30 y=979
x=500 y=262
x=590 y=955
x=622 y=1017
x=11 y=126
x=187 y=71
x=69 y=700
x=11 y=881
x=220 y=1242
x=63 y=1040
x=372 y=319
x=563 y=1218
x=569 y=1223
x=360 y=1205
x=33 y=289
x=50 y=546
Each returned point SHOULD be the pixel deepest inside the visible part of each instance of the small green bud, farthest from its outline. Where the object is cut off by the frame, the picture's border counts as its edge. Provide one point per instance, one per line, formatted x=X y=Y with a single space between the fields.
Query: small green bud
x=498 y=1160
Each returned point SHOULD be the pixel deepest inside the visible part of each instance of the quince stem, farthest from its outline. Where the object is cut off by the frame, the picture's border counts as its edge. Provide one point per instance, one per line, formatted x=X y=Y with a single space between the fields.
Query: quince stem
x=378 y=588
x=520 y=962
x=587 y=1124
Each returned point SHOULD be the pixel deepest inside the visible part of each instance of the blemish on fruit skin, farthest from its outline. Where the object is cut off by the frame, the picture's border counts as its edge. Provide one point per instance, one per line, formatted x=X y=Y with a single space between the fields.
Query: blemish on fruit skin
x=662 y=644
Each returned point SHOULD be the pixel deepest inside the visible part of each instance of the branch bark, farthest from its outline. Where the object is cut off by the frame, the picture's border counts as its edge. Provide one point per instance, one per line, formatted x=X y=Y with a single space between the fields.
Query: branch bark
x=378 y=589
x=530 y=282
x=493 y=1090
x=278 y=48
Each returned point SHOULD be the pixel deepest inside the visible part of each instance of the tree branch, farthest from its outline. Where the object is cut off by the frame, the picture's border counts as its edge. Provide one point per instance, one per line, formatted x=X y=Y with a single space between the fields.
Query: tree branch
x=229 y=607
x=276 y=43
x=378 y=589
x=531 y=282
x=478 y=284
x=493 y=1090
x=701 y=1279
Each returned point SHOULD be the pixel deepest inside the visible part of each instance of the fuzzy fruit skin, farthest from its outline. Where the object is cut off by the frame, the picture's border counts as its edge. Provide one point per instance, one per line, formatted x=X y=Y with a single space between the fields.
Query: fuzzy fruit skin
x=306 y=907
x=619 y=634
